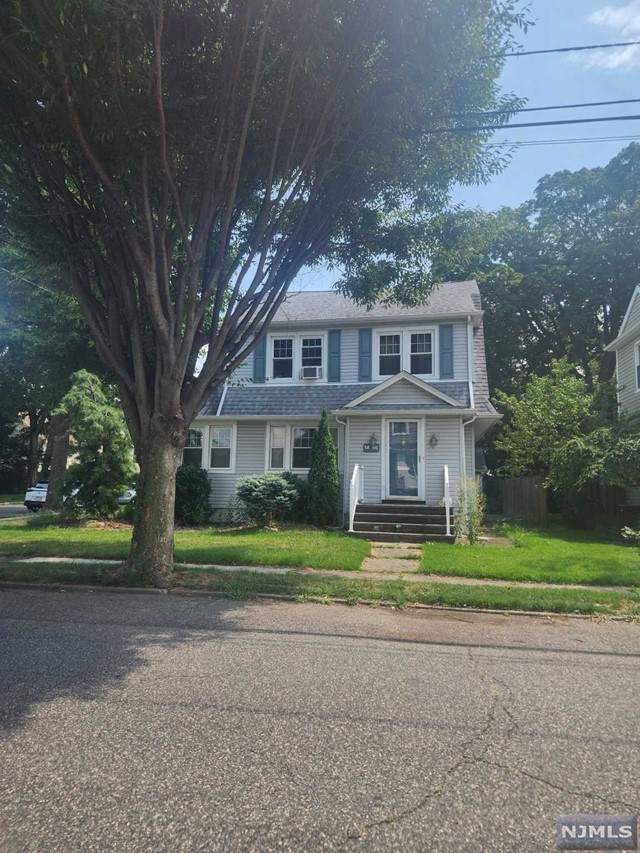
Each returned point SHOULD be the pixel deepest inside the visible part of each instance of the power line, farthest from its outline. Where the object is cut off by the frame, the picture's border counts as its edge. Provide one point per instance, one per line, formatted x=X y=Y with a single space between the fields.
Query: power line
x=535 y=124
x=575 y=141
x=554 y=107
x=561 y=49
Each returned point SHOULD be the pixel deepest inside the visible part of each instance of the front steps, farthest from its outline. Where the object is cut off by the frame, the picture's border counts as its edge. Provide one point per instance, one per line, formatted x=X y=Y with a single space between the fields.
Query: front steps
x=399 y=521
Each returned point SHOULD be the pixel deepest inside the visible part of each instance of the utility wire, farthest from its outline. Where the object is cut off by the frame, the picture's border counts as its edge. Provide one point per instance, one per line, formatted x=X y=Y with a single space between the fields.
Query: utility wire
x=554 y=107
x=560 y=49
x=534 y=124
x=576 y=141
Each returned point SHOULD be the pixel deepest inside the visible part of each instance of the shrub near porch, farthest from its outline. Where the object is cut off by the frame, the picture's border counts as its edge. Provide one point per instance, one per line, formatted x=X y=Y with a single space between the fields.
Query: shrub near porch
x=545 y=555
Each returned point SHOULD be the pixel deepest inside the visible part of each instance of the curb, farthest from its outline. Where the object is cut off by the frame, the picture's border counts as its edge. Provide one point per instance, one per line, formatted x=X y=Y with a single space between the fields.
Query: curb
x=202 y=593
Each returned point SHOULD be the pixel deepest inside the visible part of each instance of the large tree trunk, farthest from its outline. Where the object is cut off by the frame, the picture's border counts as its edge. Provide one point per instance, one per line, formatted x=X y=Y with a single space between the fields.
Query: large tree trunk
x=59 y=438
x=151 y=557
x=34 y=441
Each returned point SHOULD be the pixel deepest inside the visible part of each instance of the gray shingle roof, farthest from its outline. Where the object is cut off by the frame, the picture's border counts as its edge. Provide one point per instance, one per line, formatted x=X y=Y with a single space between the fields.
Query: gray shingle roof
x=272 y=400
x=450 y=297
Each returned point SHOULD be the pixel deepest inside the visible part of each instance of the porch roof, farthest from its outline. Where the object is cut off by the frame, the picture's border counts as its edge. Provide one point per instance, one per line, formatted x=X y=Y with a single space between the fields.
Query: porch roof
x=252 y=400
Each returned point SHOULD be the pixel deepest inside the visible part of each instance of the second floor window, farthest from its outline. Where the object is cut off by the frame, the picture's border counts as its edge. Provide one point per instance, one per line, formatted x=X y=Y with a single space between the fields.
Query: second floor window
x=312 y=352
x=389 y=355
x=421 y=353
x=282 y=358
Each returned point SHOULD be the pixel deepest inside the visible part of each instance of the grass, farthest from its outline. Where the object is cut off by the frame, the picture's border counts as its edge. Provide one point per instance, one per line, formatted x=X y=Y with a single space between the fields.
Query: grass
x=8 y=498
x=547 y=555
x=297 y=547
x=307 y=587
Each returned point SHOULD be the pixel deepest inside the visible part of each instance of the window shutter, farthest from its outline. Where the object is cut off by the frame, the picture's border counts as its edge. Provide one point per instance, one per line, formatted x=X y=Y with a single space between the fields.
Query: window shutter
x=334 y=355
x=446 y=351
x=364 y=355
x=259 y=361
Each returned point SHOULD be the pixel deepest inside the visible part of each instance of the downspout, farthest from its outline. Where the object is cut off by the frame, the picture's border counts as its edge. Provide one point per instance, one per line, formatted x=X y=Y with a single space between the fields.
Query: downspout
x=470 y=360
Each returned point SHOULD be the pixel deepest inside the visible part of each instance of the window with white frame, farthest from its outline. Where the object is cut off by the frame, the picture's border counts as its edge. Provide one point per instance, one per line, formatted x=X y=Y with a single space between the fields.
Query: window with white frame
x=390 y=355
x=277 y=447
x=290 y=447
x=637 y=351
x=421 y=353
x=192 y=453
x=413 y=351
x=311 y=351
x=221 y=447
x=302 y=444
x=282 y=358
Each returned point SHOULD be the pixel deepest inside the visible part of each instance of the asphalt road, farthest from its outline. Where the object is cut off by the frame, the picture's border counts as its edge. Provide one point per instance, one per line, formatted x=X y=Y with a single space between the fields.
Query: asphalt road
x=156 y=723
x=12 y=510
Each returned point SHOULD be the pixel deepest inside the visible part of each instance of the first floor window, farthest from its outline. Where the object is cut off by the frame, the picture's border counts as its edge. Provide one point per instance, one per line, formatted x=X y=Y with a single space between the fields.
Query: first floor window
x=192 y=453
x=221 y=447
x=276 y=447
x=389 y=355
x=282 y=358
x=421 y=353
x=302 y=443
x=638 y=367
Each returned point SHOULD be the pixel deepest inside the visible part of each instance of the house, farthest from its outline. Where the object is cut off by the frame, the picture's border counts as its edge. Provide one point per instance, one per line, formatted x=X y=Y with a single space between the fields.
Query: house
x=406 y=390
x=627 y=349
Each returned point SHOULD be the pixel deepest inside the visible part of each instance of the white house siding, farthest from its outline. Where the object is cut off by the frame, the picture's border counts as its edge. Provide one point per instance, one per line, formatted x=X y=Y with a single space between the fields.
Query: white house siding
x=446 y=452
x=628 y=396
x=245 y=371
x=469 y=452
x=399 y=394
x=360 y=431
x=250 y=453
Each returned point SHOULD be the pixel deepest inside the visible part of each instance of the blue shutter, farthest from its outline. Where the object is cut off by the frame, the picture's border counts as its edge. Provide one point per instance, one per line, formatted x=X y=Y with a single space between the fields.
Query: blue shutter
x=446 y=352
x=334 y=355
x=364 y=355
x=259 y=361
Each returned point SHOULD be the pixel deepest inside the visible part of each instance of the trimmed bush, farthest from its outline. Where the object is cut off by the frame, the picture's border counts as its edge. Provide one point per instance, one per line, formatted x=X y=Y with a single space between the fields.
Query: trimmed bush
x=299 y=510
x=192 y=496
x=266 y=497
x=323 y=479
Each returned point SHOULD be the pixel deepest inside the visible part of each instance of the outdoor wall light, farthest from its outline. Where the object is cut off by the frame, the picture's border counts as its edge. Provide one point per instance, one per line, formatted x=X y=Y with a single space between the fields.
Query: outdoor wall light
x=433 y=441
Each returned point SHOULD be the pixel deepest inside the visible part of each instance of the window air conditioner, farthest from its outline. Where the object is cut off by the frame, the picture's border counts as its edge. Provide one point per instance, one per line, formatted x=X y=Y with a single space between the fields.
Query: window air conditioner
x=314 y=372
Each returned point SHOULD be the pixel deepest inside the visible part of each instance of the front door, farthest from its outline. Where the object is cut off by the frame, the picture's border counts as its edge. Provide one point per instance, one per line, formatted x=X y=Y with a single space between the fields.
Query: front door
x=404 y=475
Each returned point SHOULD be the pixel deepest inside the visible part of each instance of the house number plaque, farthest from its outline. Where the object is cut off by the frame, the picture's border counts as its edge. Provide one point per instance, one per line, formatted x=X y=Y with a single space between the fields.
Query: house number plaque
x=371 y=447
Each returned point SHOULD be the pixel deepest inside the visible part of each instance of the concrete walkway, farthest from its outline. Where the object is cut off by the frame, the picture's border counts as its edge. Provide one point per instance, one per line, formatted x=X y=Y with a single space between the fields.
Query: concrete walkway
x=386 y=563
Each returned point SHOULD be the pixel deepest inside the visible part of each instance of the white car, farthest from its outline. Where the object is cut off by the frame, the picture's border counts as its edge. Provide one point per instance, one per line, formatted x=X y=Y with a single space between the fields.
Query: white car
x=36 y=496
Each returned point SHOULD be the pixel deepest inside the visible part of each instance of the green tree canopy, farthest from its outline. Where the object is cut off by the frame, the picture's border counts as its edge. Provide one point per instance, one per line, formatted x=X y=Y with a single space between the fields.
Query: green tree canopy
x=184 y=161
x=556 y=274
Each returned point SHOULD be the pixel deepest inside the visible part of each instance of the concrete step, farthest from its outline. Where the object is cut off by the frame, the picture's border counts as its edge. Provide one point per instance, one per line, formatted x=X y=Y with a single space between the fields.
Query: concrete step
x=397 y=526
x=401 y=509
x=403 y=537
x=400 y=518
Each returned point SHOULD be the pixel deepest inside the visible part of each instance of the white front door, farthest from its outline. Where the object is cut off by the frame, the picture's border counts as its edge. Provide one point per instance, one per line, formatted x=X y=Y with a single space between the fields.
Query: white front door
x=404 y=459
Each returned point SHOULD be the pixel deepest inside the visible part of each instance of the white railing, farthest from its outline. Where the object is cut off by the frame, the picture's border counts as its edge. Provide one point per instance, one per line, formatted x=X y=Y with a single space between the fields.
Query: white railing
x=356 y=492
x=447 y=499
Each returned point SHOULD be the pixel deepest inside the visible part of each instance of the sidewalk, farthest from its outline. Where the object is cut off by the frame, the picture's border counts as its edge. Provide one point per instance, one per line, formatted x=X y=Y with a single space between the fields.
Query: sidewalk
x=398 y=561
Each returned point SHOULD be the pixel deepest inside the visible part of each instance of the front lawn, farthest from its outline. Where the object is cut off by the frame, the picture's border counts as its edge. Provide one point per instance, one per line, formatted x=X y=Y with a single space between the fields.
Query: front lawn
x=12 y=498
x=546 y=555
x=293 y=546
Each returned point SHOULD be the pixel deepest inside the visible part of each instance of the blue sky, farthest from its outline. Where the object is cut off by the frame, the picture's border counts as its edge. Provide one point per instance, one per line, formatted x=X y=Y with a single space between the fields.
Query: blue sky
x=551 y=79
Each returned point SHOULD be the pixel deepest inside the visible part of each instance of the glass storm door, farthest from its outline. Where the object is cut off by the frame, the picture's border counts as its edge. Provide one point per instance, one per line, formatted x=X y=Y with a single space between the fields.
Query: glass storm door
x=403 y=480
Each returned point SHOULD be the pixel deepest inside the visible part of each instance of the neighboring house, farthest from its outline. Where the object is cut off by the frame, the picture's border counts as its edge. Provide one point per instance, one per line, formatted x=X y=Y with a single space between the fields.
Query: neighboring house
x=406 y=390
x=627 y=349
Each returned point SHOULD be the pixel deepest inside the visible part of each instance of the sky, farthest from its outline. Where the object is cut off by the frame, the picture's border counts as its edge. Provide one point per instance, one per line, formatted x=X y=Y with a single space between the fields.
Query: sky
x=557 y=79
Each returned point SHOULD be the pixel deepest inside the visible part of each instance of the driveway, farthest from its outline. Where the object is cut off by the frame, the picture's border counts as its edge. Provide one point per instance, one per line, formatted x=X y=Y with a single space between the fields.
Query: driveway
x=158 y=723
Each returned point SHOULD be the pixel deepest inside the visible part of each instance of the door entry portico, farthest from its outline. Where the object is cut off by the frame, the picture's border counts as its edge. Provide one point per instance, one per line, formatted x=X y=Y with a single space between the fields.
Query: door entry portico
x=404 y=460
